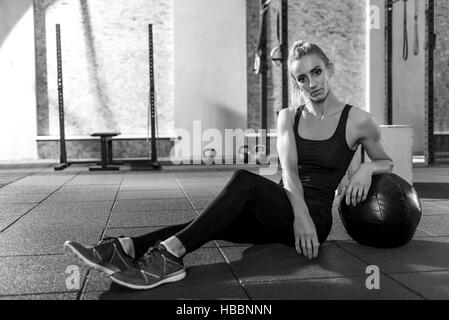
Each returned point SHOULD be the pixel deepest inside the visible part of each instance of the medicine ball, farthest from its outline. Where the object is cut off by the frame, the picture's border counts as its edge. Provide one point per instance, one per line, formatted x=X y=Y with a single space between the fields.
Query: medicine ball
x=388 y=217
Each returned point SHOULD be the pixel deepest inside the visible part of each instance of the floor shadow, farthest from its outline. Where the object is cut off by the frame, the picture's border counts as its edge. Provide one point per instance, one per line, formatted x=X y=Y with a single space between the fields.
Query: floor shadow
x=15 y=11
x=142 y=165
x=432 y=190
x=100 y=87
x=278 y=263
x=40 y=38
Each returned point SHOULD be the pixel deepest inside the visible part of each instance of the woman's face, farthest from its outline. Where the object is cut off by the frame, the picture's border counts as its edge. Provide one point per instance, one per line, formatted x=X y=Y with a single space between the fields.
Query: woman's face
x=312 y=76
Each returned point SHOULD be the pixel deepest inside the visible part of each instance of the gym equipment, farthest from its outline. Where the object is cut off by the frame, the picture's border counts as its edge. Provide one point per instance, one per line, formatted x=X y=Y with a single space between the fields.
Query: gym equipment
x=261 y=154
x=63 y=162
x=63 y=154
x=405 y=33
x=389 y=54
x=389 y=62
x=275 y=53
x=389 y=216
x=261 y=40
x=429 y=87
x=244 y=153
x=106 y=150
x=429 y=45
x=105 y=137
x=152 y=104
x=260 y=60
x=279 y=53
x=416 y=35
x=284 y=52
x=209 y=155
x=259 y=151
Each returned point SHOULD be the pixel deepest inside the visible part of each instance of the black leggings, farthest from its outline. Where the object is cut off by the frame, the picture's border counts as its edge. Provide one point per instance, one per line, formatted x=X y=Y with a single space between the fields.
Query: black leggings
x=250 y=209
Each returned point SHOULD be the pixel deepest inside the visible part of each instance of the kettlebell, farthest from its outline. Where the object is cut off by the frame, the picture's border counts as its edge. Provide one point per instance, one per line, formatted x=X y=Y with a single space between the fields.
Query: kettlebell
x=244 y=153
x=209 y=155
x=261 y=154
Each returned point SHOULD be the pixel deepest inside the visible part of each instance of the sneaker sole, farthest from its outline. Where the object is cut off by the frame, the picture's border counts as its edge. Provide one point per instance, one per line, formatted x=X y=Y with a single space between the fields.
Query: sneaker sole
x=72 y=252
x=173 y=278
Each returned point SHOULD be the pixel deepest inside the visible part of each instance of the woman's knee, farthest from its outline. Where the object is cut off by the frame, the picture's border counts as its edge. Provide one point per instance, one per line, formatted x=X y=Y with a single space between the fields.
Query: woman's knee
x=241 y=172
x=242 y=176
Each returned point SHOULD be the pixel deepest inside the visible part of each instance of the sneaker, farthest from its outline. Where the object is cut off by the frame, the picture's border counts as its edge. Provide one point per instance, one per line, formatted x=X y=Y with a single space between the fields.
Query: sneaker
x=107 y=256
x=155 y=267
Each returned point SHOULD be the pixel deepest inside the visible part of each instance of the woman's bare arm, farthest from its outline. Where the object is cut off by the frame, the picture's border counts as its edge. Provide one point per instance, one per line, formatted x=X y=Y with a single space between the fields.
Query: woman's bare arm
x=306 y=240
x=369 y=136
x=288 y=158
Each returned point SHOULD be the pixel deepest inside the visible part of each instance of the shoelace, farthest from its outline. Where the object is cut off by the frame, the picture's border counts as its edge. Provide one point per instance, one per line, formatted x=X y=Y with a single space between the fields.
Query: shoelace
x=147 y=257
x=106 y=240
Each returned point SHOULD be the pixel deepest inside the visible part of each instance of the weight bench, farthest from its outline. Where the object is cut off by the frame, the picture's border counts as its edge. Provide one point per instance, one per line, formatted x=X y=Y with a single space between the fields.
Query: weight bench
x=106 y=150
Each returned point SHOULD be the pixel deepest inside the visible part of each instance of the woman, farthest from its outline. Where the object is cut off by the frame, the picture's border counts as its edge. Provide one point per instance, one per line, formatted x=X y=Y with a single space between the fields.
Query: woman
x=314 y=154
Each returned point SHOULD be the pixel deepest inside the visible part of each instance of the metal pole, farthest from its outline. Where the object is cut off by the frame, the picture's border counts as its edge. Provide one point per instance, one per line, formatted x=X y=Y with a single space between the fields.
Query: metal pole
x=63 y=153
x=284 y=53
x=429 y=87
x=264 y=69
x=388 y=60
x=154 y=162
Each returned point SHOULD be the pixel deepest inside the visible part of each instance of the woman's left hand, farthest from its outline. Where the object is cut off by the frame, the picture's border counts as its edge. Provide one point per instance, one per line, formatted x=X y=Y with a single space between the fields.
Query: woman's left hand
x=357 y=189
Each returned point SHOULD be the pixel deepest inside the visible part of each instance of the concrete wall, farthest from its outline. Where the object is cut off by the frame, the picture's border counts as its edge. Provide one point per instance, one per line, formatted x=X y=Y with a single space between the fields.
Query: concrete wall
x=339 y=27
x=210 y=65
x=17 y=81
x=377 y=61
x=253 y=80
x=105 y=68
x=203 y=54
x=442 y=68
x=408 y=75
x=105 y=65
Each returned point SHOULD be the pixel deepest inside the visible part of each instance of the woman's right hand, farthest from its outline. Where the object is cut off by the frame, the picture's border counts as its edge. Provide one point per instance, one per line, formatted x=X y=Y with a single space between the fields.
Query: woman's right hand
x=306 y=239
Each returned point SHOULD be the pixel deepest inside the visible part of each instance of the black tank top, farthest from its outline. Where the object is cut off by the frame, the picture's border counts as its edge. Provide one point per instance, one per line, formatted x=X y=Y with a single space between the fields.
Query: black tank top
x=323 y=163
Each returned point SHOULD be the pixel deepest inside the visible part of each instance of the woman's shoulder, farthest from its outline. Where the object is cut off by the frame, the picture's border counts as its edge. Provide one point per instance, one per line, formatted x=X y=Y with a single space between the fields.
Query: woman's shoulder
x=363 y=123
x=290 y=111
x=359 y=117
x=286 y=116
